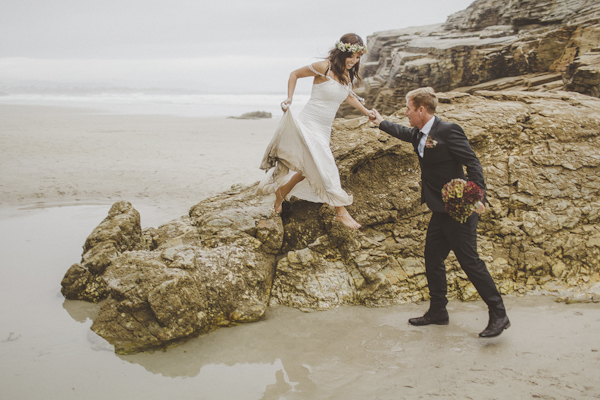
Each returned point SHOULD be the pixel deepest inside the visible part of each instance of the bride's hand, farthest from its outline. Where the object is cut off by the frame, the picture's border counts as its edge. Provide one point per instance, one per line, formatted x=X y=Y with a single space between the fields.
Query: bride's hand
x=286 y=104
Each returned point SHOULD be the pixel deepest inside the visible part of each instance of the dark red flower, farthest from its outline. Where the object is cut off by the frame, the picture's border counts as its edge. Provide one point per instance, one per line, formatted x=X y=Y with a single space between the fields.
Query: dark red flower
x=460 y=197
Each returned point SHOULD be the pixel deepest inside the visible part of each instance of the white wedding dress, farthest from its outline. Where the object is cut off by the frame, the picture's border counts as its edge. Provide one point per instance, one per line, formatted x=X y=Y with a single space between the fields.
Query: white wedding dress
x=301 y=144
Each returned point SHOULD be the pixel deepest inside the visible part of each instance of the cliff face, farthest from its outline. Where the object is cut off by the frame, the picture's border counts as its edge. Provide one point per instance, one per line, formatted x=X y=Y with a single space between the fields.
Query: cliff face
x=530 y=45
x=482 y=14
x=232 y=256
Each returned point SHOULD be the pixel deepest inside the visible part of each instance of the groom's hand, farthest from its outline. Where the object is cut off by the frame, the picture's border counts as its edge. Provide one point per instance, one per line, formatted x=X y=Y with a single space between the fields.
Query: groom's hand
x=375 y=117
x=479 y=207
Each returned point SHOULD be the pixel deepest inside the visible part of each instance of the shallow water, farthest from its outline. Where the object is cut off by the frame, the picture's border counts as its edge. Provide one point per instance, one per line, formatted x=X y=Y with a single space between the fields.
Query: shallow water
x=49 y=352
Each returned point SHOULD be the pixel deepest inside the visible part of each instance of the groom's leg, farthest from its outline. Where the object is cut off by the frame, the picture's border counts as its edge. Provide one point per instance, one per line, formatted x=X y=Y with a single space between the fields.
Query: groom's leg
x=437 y=248
x=463 y=241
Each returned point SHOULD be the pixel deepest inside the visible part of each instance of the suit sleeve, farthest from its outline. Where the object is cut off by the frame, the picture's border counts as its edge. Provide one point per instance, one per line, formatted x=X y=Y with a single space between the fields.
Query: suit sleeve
x=396 y=130
x=460 y=149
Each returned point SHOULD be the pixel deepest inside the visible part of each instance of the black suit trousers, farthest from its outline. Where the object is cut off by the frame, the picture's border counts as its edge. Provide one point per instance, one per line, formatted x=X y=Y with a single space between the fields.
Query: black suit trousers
x=445 y=234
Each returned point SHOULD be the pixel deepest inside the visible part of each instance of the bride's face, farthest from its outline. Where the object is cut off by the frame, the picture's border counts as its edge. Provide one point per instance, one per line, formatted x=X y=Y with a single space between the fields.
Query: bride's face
x=352 y=60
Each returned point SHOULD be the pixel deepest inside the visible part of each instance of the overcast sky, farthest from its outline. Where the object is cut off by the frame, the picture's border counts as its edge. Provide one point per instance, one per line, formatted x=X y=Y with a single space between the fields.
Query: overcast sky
x=212 y=46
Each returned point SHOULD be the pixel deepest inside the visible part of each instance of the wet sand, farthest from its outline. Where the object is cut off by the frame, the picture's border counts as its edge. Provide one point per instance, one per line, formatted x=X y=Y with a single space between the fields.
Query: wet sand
x=552 y=350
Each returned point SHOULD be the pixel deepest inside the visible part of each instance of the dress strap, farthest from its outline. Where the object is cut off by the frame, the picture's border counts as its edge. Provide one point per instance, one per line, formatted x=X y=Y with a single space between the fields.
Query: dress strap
x=318 y=73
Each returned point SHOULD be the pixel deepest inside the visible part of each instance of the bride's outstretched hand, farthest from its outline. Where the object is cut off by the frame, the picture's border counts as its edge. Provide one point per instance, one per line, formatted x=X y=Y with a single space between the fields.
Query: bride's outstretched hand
x=286 y=104
x=375 y=117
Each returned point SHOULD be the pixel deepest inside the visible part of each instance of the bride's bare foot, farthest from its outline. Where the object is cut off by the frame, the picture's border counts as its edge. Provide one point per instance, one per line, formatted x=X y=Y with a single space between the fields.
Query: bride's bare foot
x=347 y=220
x=278 y=201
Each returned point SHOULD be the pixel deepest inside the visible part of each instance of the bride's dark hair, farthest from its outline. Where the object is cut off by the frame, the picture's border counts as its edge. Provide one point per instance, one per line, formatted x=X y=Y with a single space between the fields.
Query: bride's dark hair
x=337 y=58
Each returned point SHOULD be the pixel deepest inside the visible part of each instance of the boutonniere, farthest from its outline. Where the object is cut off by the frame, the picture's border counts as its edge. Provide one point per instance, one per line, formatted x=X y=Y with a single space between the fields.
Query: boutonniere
x=430 y=143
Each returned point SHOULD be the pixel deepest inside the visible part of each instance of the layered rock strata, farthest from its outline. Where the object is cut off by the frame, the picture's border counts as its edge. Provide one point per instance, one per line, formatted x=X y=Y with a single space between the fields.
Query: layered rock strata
x=530 y=45
x=232 y=256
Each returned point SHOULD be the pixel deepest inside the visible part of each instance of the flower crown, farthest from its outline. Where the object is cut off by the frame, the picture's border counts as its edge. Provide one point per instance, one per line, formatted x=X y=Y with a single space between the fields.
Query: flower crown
x=352 y=48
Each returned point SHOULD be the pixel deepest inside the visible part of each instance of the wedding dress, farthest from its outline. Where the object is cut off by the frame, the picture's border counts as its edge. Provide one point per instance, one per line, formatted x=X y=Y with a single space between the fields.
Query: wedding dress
x=301 y=144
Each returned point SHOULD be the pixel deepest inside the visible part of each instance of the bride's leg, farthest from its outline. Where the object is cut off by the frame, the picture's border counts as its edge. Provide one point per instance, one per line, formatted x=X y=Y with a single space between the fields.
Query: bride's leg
x=344 y=217
x=283 y=191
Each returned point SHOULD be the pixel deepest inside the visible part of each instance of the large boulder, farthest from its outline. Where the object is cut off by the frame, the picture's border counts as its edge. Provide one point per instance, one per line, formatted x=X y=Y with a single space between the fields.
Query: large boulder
x=212 y=268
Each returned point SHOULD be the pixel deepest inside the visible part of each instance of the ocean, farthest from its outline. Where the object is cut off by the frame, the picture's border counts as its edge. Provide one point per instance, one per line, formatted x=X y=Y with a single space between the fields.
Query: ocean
x=149 y=103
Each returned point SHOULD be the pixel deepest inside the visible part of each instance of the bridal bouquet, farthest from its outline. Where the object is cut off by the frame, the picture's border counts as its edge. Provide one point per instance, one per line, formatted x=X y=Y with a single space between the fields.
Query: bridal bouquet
x=460 y=198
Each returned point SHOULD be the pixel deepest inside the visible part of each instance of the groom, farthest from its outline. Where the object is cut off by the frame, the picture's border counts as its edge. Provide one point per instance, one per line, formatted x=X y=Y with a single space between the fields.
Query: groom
x=443 y=150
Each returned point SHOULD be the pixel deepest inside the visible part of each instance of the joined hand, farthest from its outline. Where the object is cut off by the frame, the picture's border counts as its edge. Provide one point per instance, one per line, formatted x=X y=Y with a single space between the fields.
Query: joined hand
x=375 y=117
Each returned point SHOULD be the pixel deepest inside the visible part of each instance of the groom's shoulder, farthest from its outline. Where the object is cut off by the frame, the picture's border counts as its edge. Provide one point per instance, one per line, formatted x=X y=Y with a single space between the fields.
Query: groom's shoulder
x=447 y=125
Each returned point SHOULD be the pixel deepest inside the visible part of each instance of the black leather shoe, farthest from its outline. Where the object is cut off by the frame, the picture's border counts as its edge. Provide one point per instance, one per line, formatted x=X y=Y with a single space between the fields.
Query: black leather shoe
x=495 y=327
x=431 y=317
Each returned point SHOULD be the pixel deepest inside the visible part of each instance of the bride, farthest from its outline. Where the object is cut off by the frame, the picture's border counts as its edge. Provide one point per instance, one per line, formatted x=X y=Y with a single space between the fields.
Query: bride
x=298 y=159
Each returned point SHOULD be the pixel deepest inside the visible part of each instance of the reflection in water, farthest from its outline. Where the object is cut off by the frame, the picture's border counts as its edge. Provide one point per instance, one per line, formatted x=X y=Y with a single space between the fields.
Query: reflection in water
x=349 y=350
x=279 y=388
x=85 y=312
x=285 y=352
x=98 y=343
x=81 y=311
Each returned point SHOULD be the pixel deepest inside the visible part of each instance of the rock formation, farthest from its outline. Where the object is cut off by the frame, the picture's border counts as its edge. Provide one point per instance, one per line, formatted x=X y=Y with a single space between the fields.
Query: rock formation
x=254 y=115
x=119 y=232
x=212 y=268
x=232 y=256
x=528 y=45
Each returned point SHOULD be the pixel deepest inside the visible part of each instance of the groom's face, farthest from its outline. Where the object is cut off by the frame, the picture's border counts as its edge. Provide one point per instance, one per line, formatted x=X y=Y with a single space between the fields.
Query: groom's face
x=415 y=116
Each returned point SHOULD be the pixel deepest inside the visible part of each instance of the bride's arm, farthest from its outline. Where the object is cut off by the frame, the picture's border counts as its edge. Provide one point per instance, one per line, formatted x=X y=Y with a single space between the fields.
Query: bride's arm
x=303 y=72
x=354 y=102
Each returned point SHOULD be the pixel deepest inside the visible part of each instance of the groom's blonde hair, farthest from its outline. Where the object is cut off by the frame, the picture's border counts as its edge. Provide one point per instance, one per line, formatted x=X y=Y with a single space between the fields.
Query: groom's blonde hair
x=425 y=97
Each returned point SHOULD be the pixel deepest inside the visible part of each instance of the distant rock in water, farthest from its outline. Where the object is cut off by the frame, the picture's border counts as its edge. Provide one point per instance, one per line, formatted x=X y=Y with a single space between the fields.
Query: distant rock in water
x=232 y=256
x=254 y=115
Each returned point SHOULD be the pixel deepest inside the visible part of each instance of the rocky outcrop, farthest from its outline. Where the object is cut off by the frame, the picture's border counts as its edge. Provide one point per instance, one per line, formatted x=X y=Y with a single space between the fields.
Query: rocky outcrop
x=530 y=45
x=212 y=268
x=232 y=256
x=254 y=115
x=583 y=75
x=119 y=232
x=541 y=160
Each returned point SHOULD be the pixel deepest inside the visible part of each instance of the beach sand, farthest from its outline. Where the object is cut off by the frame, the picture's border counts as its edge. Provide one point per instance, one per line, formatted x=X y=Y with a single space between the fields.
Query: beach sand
x=63 y=168
x=57 y=156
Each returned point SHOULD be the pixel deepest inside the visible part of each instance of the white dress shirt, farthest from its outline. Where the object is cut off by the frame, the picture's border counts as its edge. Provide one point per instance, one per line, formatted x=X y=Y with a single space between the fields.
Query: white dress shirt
x=425 y=130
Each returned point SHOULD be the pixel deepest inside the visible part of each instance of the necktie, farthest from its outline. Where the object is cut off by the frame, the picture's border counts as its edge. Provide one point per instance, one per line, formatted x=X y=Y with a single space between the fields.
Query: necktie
x=419 y=147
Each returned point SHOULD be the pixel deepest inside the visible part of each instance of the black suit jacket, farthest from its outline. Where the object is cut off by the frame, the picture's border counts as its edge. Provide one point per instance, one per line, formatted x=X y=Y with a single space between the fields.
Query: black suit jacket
x=443 y=162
